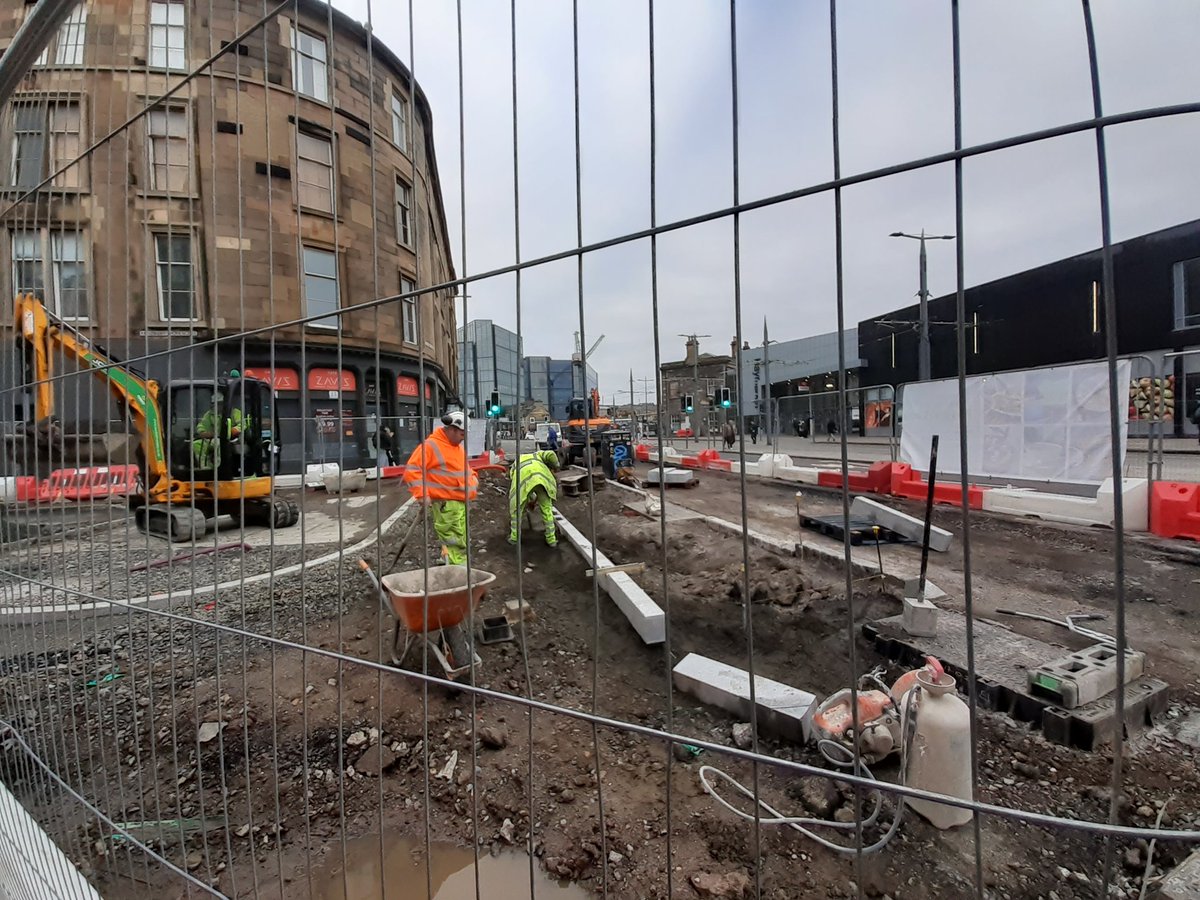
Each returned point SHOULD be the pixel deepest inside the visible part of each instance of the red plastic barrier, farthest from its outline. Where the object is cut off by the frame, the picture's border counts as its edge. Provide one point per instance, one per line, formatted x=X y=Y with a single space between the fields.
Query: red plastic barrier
x=720 y=465
x=391 y=472
x=691 y=462
x=109 y=481
x=641 y=453
x=707 y=455
x=943 y=492
x=27 y=489
x=876 y=480
x=56 y=485
x=1175 y=510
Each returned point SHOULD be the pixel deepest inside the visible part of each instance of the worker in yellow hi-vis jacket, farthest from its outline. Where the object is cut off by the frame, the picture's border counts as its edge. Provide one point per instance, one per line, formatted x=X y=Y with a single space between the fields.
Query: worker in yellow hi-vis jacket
x=533 y=484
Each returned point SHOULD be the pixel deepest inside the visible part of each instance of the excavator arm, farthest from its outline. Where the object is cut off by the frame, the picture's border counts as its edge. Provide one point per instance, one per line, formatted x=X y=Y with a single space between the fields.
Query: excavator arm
x=46 y=334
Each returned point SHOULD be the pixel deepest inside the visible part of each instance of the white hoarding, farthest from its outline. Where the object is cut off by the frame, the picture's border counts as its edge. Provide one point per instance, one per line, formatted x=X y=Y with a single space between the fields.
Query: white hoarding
x=476 y=433
x=1047 y=424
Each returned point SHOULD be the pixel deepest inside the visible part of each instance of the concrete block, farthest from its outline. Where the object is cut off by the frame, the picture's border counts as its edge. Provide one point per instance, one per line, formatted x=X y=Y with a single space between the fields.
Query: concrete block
x=1085 y=675
x=901 y=523
x=1135 y=498
x=798 y=474
x=781 y=709
x=669 y=475
x=920 y=617
x=646 y=616
x=1182 y=882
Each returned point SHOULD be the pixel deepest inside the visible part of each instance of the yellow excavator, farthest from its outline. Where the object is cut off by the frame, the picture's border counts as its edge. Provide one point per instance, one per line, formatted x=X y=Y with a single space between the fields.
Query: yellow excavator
x=206 y=448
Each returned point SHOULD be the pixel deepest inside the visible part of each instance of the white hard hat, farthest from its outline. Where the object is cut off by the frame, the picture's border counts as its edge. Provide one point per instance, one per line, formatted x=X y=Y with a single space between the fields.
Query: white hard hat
x=456 y=419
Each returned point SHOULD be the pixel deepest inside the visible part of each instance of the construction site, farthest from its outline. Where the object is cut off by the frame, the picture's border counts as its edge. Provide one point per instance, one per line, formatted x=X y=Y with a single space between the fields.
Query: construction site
x=315 y=588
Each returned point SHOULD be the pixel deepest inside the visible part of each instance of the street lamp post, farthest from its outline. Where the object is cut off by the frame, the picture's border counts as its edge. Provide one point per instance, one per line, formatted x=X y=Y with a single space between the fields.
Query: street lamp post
x=923 y=360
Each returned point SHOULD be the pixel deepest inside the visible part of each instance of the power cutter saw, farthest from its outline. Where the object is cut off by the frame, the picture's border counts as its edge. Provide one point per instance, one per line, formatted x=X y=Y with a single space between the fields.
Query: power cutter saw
x=878 y=713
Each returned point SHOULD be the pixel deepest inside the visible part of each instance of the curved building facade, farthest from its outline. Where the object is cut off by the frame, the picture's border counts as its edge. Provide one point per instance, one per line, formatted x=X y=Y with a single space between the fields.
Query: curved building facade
x=291 y=178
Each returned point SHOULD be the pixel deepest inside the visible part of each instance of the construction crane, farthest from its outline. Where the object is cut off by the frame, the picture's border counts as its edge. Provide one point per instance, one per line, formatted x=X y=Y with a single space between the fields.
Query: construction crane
x=206 y=450
x=584 y=424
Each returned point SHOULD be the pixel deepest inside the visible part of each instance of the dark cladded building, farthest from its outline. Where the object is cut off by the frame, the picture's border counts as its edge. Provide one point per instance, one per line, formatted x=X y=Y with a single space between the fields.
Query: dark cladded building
x=1054 y=315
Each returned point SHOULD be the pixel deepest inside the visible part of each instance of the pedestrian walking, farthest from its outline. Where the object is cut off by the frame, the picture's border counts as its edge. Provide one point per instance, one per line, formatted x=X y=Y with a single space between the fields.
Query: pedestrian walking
x=438 y=476
x=728 y=435
x=754 y=431
x=831 y=430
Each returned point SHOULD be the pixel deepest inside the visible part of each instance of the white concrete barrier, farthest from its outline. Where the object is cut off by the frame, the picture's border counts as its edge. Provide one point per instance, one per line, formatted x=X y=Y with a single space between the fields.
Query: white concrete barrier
x=769 y=462
x=798 y=474
x=1087 y=511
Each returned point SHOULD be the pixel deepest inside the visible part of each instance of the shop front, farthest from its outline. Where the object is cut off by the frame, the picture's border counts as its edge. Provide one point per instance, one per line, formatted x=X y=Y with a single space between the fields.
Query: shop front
x=333 y=417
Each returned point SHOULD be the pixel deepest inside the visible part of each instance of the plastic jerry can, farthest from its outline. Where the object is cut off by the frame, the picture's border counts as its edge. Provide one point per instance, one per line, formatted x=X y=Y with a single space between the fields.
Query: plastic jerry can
x=939 y=751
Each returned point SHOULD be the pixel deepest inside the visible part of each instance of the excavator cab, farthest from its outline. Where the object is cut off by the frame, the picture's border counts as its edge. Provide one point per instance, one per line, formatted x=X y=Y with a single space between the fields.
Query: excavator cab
x=224 y=429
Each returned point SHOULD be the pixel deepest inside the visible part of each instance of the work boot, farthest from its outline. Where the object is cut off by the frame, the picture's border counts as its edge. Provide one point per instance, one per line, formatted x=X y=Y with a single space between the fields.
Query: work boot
x=512 y=539
x=552 y=543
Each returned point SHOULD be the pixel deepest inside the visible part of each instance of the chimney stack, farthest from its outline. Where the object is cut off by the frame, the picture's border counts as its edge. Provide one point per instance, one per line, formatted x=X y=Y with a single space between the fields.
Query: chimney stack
x=693 y=351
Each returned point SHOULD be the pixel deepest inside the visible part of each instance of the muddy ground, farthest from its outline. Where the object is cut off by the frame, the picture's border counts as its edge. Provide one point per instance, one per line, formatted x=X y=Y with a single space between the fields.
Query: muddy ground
x=299 y=765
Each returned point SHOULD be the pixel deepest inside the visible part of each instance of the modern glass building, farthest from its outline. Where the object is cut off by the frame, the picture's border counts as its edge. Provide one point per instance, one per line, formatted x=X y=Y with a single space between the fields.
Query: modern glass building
x=554 y=382
x=490 y=359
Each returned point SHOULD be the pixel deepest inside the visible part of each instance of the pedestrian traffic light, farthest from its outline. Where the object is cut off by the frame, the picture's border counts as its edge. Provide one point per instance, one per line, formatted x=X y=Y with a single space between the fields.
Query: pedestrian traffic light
x=494 y=408
x=725 y=401
x=687 y=403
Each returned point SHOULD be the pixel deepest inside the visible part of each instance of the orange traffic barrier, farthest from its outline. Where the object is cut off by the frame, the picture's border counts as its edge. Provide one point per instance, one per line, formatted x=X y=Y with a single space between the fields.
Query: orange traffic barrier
x=1175 y=510
x=641 y=453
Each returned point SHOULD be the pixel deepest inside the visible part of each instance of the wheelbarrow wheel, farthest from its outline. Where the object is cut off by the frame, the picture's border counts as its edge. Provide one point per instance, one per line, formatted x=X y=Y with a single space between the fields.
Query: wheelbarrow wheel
x=460 y=649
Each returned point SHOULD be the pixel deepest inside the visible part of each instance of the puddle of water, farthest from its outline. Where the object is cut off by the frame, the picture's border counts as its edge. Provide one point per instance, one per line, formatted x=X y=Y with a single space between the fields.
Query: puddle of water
x=403 y=875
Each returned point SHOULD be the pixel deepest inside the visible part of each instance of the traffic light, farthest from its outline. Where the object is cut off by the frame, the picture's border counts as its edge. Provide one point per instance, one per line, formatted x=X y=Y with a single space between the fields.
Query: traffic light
x=494 y=408
x=725 y=401
x=687 y=403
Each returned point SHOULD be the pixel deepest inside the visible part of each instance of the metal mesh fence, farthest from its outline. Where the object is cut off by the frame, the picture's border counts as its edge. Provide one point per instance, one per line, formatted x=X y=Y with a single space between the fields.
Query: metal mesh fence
x=237 y=267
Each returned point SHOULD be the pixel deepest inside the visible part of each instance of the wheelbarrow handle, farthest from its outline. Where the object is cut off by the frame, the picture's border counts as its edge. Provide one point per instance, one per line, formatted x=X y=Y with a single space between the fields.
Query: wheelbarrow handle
x=384 y=599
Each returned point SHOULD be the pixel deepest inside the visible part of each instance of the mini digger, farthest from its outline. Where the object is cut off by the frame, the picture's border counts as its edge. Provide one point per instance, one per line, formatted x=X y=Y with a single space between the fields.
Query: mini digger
x=206 y=447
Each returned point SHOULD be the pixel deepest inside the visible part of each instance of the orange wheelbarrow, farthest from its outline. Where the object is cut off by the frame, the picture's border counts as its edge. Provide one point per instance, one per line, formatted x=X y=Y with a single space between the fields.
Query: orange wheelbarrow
x=435 y=618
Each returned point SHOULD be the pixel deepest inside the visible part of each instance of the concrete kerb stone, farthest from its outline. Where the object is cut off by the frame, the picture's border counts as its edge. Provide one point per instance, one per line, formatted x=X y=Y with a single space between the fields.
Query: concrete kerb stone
x=1182 y=882
x=780 y=708
x=646 y=616
x=902 y=523
x=38 y=614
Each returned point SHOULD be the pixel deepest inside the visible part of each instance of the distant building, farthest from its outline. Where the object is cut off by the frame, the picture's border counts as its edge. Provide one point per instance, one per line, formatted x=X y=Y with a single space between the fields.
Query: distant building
x=698 y=374
x=489 y=360
x=553 y=382
x=804 y=386
x=1054 y=315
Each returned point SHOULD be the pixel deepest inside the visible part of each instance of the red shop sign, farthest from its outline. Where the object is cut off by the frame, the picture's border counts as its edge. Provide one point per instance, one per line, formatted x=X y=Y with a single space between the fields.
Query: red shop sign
x=328 y=380
x=284 y=380
x=406 y=386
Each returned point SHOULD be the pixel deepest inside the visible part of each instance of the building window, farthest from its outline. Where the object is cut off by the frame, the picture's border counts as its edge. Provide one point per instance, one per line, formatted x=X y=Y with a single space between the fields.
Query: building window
x=28 y=264
x=63 y=284
x=309 y=74
x=176 y=282
x=170 y=158
x=167 y=37
x=45 y=140
x=399 y=121
x=409 y=305
x=320 y=286
x=403 y=212
x=314 y=172
x=69 y=51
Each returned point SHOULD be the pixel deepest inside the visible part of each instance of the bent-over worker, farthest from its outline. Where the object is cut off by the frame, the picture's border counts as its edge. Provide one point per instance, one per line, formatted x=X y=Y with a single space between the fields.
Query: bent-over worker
x=437 y=475
x=533 y=479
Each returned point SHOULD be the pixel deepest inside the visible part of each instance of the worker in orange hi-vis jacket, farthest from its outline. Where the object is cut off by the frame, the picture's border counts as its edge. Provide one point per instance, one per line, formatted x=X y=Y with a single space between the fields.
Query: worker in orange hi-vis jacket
x=437 y=474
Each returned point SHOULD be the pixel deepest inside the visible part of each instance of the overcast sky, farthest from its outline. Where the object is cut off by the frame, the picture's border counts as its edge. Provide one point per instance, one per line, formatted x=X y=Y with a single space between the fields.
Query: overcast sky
x=1024 y=68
